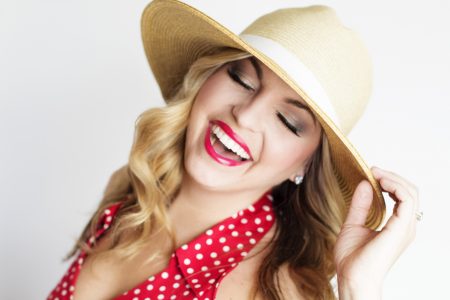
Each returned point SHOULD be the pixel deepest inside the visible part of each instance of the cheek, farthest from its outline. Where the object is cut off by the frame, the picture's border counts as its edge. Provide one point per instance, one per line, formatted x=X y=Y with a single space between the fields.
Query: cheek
x=288 y=156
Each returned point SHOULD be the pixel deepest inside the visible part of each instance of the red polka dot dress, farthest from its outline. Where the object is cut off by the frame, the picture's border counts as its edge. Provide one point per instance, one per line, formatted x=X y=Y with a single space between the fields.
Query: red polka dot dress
x=195 y=269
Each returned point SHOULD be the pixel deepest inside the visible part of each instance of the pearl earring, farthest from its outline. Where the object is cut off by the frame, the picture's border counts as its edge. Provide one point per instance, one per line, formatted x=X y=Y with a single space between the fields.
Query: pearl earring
x=298 y=179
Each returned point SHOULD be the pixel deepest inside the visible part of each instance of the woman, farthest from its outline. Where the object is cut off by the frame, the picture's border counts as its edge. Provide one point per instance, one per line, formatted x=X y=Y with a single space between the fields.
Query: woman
x=244 y=186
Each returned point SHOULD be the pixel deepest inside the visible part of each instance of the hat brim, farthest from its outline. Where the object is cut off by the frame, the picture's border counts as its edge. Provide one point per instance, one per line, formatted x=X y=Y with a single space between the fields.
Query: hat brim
x=175 y=34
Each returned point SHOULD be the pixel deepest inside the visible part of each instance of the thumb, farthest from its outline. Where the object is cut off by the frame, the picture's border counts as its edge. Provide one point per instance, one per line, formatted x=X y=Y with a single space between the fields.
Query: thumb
x=361 y=201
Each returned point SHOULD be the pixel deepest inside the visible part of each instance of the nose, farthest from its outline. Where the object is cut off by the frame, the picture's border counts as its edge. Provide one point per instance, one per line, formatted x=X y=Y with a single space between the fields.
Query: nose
x=250 y=113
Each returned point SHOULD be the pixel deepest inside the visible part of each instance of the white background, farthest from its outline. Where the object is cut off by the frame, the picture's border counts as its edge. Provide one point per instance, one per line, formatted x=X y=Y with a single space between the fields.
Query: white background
x=73 y=79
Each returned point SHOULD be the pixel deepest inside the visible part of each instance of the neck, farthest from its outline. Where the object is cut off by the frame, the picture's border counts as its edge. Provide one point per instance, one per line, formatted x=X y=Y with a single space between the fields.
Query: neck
x=196 y=208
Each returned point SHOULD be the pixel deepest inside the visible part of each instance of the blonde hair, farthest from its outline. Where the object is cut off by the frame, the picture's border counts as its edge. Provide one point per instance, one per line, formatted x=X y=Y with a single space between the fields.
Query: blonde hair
x=152 y=177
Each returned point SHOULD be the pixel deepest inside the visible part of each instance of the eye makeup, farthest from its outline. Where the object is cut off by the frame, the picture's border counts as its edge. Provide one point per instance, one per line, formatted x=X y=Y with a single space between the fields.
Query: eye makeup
x=233 y=73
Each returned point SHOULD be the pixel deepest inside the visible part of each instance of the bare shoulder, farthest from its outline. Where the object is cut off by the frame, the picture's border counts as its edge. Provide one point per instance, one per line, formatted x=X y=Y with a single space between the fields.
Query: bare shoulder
x=288 y=285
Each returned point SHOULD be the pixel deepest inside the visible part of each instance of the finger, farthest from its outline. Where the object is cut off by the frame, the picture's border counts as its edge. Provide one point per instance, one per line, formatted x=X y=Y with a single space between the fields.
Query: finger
x=378 y=173
x=405 y=205
x=360 y=205
x=412 y=189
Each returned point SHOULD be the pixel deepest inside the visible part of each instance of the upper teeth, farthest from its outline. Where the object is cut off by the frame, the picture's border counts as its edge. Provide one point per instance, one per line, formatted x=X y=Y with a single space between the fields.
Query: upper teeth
x=229 y=142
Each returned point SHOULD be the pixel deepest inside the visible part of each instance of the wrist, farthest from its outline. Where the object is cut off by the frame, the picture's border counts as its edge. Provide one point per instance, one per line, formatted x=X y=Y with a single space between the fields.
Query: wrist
x=352 y=290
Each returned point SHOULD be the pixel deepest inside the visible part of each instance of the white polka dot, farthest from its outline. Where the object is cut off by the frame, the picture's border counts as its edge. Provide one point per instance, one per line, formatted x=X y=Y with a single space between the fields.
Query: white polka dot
x=204 y=268
x=235 y=233
x=257 y=221
x=176 y=285
x=171 y=297
x=80 y=261
x=240 y=246
x=198 y=285
x=199 y=256
x=190 y=270
x=226 y=248
x=217 y=262
x=231 y=259
x=243 y=253
x=162 y=288
x=244 y=221
x=222 y=240
x=109 y=219
x=64 y=292
x=150 y=287
x=260 y=229
x=221 y=227
x=248 y=233
x=234 y=216
x=213 y=254
x=107 y=211
x=251 y=208
x=201 y=293
x=209 y=232
x=105 y=226
x=137 y=291
x=64 y=284
x=233 y=265
x=212 y=280
x=71 y=288
x=186 y=293
x=195 y=280
x=165 y=275
x=147 y=298
x=221 y=270
x=177 y=277
x=160 y=296
x=184 y=247
x=266 y=208
x=252 y=241
x=270 y=197
x=197 y=246
x=135 y=298
x=209 y=241
x=231 y=226
x=269 y=218
x=207 y=274
x=187 y=261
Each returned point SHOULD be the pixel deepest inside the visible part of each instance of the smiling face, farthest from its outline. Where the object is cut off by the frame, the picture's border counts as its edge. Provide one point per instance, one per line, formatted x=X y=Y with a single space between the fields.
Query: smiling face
x=257 y=114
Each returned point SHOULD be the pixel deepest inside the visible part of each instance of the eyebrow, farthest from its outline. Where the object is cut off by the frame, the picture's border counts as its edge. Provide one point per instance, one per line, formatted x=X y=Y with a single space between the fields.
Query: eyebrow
x=294 y=102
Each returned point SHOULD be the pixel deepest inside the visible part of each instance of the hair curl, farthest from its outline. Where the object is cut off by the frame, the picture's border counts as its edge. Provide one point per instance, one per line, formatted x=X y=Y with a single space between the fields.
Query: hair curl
x=148 y=183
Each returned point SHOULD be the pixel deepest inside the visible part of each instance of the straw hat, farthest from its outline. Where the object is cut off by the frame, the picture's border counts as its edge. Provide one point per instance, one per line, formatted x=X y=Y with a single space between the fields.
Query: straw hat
x=309 y=48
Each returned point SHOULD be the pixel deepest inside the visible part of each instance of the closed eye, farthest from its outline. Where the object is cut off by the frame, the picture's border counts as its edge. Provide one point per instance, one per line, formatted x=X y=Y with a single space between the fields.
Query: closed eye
x=234 y=75
x=291 y=127
x=236 y=78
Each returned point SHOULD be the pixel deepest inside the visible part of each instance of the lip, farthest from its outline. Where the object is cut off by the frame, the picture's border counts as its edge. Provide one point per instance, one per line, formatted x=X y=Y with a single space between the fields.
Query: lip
x=216 y=156
x=233 y=135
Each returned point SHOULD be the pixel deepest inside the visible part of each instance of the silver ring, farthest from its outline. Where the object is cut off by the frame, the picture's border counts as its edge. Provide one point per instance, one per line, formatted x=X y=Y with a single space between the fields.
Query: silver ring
x=419 y=215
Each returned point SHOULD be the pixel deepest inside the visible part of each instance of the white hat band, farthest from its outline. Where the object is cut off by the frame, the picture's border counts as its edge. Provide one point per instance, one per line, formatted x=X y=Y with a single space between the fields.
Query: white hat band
x=296 y=70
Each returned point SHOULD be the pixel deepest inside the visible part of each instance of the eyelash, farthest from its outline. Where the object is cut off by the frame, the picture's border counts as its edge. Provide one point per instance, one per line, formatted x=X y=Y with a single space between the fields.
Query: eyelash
x=235 y=77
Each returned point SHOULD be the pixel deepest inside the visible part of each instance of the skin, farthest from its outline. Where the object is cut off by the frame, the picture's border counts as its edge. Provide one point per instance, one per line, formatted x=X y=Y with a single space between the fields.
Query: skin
x=358 y=249
x=211 y=192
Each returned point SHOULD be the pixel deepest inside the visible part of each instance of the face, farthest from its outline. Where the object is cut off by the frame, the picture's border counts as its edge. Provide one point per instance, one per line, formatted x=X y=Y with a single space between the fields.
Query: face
x=248 y=108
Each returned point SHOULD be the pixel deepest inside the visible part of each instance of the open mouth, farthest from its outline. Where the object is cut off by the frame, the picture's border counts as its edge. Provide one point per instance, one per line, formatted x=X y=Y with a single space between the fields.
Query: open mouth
x=226 y=147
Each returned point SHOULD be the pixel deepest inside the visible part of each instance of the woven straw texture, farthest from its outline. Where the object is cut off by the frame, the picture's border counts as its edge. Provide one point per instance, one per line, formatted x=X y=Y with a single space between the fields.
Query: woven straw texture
x=175 y=34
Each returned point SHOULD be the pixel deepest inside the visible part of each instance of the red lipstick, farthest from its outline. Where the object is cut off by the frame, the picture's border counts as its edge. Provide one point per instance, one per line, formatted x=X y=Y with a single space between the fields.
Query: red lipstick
x=218 y=157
